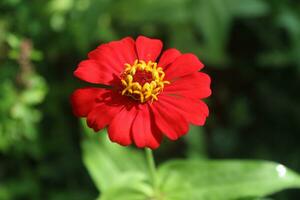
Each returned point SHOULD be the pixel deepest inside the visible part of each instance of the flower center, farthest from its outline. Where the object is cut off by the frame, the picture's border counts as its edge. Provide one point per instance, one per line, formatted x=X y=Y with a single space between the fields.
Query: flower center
x=143 y=81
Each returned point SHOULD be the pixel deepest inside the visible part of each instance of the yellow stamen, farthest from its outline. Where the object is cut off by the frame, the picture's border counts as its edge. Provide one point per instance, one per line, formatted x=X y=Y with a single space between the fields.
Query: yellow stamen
x=143 y=91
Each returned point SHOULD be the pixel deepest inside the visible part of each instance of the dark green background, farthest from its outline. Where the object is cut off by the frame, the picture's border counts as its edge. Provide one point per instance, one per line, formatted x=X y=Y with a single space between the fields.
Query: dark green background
x=251 y=49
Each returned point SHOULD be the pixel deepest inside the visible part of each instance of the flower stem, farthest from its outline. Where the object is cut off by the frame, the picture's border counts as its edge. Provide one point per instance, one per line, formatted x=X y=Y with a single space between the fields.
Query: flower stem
x=152 y=168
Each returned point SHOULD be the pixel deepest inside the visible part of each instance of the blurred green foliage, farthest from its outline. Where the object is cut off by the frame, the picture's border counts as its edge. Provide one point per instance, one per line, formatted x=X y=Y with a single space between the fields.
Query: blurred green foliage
x=22 y=89
x=251 y=50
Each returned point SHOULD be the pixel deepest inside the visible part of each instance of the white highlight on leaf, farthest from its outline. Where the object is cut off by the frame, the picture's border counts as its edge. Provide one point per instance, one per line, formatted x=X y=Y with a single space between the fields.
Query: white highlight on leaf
x=281 y=170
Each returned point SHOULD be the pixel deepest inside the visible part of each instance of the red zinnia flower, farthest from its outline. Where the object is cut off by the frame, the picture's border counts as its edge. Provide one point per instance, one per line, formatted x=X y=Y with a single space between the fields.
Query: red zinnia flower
x=146 y=99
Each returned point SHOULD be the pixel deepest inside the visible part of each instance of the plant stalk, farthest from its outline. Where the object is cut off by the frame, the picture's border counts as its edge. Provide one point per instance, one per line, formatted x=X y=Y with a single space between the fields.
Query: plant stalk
x=152 y=168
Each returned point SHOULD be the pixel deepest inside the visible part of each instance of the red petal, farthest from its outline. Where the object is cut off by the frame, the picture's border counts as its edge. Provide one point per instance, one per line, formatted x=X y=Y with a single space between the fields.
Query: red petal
x=120 y=127
x=196 y=85
x=148 y=49
x=124 y=51
x=92 y=72
x=195 y=111
x=143 y=133
x=84 y=99
x=168 y=57
x=109 y=104
x=115 y=55
x=170 y=122
x=101 y=115
x=183 y=65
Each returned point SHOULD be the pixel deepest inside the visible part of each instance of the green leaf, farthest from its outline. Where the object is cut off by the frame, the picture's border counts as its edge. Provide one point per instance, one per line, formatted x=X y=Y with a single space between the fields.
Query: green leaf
x=249 y=8
x=60 y=6
x=232 y=179
x=213 y=19
x=112 y=165
x=145 y=11
x=126 y=193
x=36 y=93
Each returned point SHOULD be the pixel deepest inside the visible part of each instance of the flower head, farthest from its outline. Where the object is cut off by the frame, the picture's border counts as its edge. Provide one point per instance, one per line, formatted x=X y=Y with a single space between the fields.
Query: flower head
x=150 y=95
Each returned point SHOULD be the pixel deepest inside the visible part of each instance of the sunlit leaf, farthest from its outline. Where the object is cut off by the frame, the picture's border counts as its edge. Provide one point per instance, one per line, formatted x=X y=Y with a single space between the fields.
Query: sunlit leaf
x=232 y=179
x=110 y=164
x=126 y=193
